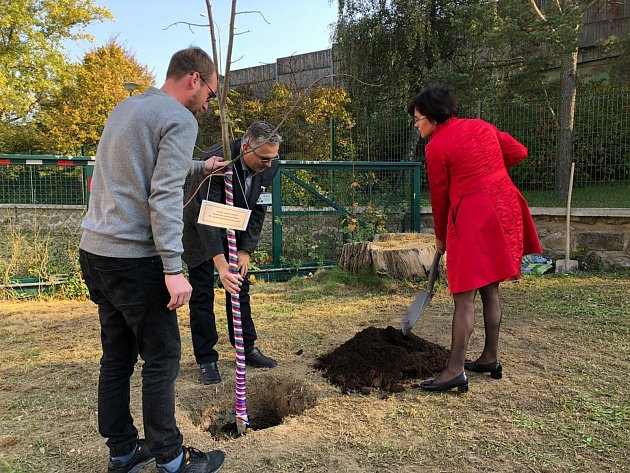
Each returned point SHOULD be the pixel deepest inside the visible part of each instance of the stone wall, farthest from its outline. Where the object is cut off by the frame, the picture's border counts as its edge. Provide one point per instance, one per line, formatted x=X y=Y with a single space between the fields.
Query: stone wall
x=66 y=218
x=602 y=232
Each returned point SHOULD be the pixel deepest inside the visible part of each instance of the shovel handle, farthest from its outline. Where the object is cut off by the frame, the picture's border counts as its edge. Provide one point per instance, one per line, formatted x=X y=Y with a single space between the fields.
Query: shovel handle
x=434 y=271
x=567 y=248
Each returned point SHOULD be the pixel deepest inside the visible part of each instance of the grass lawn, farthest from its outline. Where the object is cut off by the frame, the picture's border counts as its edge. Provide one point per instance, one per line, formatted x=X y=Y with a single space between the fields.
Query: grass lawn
x=607 y=196
x=562 y=405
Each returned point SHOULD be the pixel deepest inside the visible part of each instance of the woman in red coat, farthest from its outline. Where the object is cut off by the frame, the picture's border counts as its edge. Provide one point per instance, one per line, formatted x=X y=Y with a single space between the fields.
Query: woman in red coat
x=480 y=219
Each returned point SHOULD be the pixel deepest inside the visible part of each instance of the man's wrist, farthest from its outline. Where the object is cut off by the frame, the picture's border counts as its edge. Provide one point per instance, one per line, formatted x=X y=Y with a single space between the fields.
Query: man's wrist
x=173 y=273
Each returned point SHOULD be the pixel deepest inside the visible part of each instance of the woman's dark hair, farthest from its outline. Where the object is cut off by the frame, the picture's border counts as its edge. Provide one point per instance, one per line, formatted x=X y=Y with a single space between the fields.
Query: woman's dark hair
x=435 y=102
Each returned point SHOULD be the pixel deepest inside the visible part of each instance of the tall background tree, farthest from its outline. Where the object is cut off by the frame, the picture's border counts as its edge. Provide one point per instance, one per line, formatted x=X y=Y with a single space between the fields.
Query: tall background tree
x=32 y=59
x=394 y=43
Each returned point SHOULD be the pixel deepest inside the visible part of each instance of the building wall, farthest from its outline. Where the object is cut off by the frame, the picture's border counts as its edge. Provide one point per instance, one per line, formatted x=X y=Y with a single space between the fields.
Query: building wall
x=300 y=70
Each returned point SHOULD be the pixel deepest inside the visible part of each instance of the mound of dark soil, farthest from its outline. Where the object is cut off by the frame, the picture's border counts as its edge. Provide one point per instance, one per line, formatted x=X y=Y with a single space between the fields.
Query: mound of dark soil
x=381 y=358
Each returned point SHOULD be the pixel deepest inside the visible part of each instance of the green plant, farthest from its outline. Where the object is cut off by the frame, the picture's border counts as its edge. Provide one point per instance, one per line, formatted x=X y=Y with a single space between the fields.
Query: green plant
x=74 y=287
x=587 y=259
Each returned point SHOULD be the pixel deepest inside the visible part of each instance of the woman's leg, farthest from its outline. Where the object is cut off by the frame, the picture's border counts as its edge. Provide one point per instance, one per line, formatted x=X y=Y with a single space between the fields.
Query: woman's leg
x=463 y=324
x=491 y=322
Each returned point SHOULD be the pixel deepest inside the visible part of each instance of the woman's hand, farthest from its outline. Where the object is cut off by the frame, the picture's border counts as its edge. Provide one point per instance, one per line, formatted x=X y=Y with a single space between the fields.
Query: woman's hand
x=440 y=246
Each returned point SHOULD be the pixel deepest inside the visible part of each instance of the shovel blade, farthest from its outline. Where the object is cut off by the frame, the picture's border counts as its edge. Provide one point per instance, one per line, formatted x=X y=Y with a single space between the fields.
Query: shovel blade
x=414 y=311
x=566 y=266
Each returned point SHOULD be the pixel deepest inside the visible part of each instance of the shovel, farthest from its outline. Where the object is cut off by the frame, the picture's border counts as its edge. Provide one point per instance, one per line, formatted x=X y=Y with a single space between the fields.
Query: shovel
x=568 y=266
x=421 y=302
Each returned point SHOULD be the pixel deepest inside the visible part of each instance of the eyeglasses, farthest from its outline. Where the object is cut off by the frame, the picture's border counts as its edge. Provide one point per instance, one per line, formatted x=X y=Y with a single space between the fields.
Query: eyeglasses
x=417 y=119
x=212 y=94
x=264 y=159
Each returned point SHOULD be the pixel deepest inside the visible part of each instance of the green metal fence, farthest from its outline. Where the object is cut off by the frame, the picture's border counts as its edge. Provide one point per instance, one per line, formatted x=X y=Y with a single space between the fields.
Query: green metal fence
x=601 y=145
x=601 y=152
x=317 y=206
x=45 y=180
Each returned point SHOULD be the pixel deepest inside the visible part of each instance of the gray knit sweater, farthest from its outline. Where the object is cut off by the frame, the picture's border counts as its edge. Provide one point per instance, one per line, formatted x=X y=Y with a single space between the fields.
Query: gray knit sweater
x=143 y=157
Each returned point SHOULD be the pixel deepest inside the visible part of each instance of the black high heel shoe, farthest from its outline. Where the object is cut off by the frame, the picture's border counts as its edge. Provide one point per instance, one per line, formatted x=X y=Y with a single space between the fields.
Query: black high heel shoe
x=495 y=369
x=460 y=382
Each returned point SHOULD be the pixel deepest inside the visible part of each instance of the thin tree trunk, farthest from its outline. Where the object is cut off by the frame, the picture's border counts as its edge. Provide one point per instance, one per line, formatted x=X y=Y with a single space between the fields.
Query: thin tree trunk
x=564 y=145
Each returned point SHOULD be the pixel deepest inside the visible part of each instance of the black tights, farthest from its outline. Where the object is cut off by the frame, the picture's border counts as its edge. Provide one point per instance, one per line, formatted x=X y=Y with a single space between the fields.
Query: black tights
x=463 y=324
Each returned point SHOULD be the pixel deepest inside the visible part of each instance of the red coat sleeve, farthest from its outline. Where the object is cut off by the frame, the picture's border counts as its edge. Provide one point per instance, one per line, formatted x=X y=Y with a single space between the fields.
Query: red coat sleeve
x=437 y=172
x=513 y=151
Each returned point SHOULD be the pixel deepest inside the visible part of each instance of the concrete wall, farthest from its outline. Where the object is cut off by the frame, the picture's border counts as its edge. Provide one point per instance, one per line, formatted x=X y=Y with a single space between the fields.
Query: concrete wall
x=604 y=232
x=66 y=218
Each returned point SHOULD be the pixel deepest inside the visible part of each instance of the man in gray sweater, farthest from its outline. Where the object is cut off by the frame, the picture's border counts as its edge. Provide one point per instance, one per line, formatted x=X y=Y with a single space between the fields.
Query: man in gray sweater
x=130 y=255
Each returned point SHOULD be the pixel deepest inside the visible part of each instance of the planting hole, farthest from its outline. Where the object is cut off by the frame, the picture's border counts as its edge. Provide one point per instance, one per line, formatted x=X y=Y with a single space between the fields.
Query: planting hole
x=269 y=400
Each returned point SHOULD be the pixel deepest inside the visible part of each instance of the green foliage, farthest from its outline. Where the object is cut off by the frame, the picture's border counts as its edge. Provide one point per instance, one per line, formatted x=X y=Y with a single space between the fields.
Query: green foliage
x=483 y=48
x=587 y=260
x=74 y=287
x=75 y=117
x=301 y=247
x=32 y=61
x=365 y=223
x=411 y=36
x=303 y=116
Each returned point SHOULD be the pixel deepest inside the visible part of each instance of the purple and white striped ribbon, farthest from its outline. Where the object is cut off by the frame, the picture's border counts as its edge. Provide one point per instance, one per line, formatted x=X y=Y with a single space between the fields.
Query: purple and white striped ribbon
x=241 y=371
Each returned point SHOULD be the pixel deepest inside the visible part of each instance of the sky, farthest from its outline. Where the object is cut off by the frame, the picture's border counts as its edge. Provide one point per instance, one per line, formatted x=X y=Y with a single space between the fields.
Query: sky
x=142 y=27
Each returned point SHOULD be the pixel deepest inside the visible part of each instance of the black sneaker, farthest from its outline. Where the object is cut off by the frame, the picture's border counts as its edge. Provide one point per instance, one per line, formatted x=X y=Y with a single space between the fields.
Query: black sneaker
x=140 y=459
x=256 y=359
x=196 y=461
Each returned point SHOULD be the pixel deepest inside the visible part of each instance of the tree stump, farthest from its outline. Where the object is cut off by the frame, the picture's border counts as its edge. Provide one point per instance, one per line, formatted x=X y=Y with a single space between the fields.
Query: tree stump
x=355 y=256
x=397 y=255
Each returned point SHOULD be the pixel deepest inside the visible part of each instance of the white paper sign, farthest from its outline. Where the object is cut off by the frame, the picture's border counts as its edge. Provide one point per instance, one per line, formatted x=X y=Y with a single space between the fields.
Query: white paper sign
x=223 y=216
x=264 y=199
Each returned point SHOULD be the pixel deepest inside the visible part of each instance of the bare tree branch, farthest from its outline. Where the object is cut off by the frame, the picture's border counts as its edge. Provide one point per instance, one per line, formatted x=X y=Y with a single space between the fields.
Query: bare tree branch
x=190 y=25
x=537 y=10
x=223 y=89
x=253 y=11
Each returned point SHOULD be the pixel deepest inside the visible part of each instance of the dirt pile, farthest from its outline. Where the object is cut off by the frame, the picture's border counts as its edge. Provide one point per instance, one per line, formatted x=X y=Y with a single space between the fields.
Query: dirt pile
x=381 y=358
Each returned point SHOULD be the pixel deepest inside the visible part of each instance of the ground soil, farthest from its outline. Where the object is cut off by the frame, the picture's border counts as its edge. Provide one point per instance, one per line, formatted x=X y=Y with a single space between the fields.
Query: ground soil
x=381 y=358
x=562 y=405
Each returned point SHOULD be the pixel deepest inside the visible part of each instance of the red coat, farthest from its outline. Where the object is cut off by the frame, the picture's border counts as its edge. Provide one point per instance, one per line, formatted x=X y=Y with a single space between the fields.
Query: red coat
x=477 y=209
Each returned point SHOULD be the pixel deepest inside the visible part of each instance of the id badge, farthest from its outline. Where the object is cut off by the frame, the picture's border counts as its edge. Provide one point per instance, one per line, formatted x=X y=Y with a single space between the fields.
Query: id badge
x=264 y=199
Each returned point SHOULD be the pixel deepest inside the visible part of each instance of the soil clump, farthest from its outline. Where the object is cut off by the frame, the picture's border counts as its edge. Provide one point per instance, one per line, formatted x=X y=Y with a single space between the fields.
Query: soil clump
x=381 y=358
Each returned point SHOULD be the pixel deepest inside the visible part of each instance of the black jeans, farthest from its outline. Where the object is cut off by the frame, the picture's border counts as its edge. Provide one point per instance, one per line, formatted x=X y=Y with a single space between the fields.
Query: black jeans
x=132 y=298
x=202 y=321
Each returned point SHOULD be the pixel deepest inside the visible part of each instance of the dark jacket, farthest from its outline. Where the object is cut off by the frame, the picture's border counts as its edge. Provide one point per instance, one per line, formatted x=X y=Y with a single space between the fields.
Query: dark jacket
x=203 y=242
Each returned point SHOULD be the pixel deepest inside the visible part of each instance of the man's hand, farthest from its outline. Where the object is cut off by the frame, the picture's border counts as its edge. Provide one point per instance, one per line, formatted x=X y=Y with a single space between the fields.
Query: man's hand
x=213 y=164
x=231 y=282
x=440 y=246
x=179 y=288
x=243 y=262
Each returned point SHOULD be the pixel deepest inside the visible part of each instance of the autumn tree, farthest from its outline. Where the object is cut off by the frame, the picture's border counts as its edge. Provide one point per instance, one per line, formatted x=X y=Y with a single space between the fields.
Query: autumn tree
x=75 y=116
x=32 y=60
